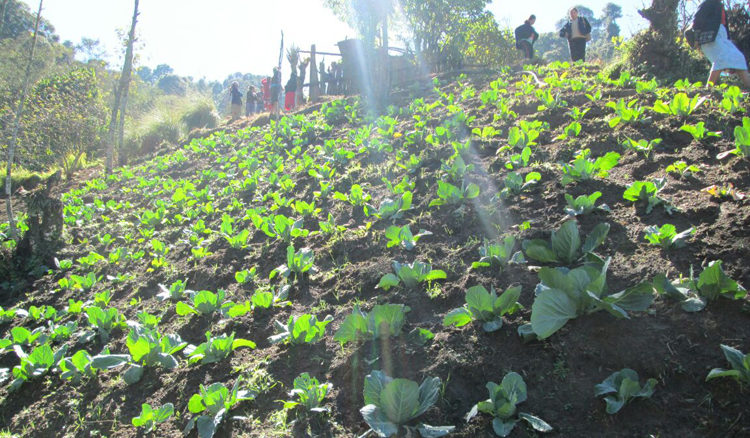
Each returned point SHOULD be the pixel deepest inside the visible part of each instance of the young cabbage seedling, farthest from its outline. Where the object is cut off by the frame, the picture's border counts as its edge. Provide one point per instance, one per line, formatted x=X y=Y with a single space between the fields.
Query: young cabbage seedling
x=502 y=406
x=215 y=349
x=309 y=393
x=213 y=403
x=740 y=363
x=485 y=307
x=383 y=321
x=498 y=255
x=667 y=236
x=623 y=387
x=149 y=418
x=565 y=246
x=391 y=403
x=410 y=275
x=303 y=329
x=403 y=237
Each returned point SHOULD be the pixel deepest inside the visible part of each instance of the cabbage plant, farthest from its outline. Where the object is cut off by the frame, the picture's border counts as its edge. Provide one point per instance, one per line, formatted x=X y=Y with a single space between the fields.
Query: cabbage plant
x=391 y=403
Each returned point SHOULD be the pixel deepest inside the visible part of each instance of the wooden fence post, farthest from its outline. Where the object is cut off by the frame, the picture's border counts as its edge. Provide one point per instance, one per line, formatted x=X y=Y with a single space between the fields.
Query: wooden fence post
x=314 y=86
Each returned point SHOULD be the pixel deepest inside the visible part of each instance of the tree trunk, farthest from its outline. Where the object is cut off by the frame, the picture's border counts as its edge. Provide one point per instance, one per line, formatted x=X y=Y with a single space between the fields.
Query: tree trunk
x=2 y=17
x=16 y=125
x=663 y=17
x=121 y=97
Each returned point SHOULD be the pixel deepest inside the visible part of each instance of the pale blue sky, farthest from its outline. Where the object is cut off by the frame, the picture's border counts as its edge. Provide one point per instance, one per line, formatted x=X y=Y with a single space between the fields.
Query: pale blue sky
x=214 y=39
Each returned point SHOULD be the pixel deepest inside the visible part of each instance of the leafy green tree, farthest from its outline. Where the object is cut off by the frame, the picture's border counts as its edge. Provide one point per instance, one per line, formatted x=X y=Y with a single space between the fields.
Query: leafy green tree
x=65 y=115
x=17 y=20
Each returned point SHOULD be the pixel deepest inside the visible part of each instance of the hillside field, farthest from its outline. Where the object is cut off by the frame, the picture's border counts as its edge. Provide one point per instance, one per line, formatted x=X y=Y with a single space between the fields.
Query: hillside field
x=237 y=231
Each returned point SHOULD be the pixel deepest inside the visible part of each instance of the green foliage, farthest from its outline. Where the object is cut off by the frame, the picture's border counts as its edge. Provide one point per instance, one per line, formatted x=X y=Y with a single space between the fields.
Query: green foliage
x=149 y=417
x=76 y=367
x=174 y=292
x=625 y=113
x=410 y=275
x=643 y=146
x=448 y=194
x=214 y=403
x=515 y=184
x=395 y=209
x=486 y=307
x=104 y=321
x=699 y=131
x=681 y=105
x=403 y=237
x=297 y=263
x=309 y=392
x=391 y=403
x=681 y=168
x=204 y=303
x=564 y=294
x=36 y=364
x=502 y=405
x=648 y=191
x=731 y=100
x=741 y=140
x=739 y=362
x=303 y=329
x=667 y=236
x=565 y=246
x=64 y=115
x=623 y=386
x=383 y=321
x=583 y=168
x=147 y=348
x=498 y=255
x=584 y=204
x=215 y=349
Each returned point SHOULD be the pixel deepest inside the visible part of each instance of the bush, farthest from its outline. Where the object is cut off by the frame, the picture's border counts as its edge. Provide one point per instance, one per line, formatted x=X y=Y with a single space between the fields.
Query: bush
x=200 y=114
x=651 y=54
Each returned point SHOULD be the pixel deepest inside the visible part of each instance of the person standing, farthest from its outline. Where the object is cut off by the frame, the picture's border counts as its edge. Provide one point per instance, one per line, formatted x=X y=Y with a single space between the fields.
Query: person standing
x=275 y=91
x=290 y=92
x=236 y=100
x=250 y=101
x=526 y=36
x=578 y=32
x=710 y=34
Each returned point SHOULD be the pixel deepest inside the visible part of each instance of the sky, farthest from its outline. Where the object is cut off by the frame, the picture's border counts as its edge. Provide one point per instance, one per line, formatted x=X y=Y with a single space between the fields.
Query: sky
x=214 y=39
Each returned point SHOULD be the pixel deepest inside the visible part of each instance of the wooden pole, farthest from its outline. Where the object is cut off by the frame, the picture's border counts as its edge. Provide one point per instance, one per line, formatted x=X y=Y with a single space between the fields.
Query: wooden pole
x=16 y=126
x=314 y=88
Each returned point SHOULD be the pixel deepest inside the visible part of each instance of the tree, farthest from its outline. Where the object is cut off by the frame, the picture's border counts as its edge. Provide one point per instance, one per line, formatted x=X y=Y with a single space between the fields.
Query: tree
x=16 y=125
x=90 y=49
x=610 y=15
x=117 y=126
x=17 y=20
x=662 y=16
x=65 y=113
x=435 y=24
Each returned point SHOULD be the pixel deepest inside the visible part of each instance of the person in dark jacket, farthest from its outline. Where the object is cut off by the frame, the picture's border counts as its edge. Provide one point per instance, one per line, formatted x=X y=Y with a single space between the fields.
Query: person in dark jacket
x=290 y=90
x=709 y=32
x=578 y=32
x=236 y=99
x=250 y=101
x=526 y=36
x=275 y=91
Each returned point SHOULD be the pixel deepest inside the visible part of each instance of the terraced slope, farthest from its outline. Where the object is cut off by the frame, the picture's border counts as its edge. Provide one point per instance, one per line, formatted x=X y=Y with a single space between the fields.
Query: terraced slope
x=222 y=212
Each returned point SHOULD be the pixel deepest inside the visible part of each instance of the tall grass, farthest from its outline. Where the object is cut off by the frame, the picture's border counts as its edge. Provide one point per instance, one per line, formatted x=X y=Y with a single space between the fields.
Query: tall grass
x=169 y=120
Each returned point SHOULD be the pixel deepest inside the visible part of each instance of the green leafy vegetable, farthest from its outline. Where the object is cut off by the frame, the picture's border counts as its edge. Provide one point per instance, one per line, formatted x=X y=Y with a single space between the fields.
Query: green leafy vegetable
x=391 y=403
x=486 y=307
x=565 y=245
x=623 y=386
x=383 y=321
x=502 y=405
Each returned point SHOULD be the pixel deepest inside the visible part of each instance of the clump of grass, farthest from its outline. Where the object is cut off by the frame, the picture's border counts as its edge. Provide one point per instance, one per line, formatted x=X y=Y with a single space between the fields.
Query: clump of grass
x=200 y=112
